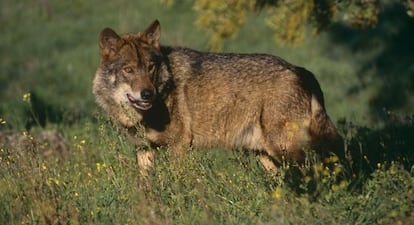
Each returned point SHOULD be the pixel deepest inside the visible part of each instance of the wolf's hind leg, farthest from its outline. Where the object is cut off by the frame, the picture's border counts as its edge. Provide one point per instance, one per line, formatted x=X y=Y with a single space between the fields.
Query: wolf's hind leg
x=268 y=163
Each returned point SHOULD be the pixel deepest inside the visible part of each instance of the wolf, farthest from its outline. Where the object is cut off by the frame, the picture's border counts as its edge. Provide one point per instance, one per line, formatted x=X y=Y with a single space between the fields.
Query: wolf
x=186 y=99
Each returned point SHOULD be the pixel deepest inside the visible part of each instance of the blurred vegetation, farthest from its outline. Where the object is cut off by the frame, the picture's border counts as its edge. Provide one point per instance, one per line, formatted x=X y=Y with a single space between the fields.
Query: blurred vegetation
x=63 y=162
x=289 y=19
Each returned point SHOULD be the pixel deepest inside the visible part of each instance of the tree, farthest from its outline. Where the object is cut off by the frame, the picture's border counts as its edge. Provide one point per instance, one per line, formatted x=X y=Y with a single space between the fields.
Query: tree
x=290 y=19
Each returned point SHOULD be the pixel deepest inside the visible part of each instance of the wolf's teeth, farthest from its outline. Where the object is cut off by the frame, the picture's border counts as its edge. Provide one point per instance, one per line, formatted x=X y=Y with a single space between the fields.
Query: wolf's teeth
x=142 y=105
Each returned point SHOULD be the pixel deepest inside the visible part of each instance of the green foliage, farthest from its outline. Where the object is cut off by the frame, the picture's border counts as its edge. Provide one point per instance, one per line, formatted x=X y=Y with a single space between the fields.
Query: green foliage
x=382 y=200
x=362 y=13
x=290 y=20
x=96 y=182
x=222 y=18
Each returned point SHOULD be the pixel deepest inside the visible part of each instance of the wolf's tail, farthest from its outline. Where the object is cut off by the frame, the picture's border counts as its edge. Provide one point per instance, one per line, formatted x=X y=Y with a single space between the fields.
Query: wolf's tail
x=324 y=135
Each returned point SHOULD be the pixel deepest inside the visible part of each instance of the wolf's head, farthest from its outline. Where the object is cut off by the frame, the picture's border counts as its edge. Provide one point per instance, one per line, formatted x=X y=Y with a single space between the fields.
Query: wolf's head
x=124 y=82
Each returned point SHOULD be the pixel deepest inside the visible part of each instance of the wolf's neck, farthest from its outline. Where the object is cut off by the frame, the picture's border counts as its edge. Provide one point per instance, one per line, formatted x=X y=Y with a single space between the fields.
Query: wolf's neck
x=176 y=64
x=180 y=61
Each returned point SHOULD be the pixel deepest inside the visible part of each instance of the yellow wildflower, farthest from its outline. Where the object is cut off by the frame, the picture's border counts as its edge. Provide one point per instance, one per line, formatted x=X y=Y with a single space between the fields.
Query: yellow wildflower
x=332 y=159
x=278 y=193
x=307 y=179
x=98 y=167
x=26 y=97
x=44 y=167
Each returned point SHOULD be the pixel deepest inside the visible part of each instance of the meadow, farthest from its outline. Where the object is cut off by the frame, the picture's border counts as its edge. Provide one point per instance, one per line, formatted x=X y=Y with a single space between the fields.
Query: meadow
x=62 y=161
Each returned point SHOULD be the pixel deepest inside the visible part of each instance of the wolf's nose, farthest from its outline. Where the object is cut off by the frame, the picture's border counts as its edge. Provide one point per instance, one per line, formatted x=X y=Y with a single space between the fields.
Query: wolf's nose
x=147 y=94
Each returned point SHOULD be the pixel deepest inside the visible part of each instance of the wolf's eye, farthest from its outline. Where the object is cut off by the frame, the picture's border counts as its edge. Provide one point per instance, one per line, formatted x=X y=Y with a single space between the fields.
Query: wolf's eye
x=128 y=69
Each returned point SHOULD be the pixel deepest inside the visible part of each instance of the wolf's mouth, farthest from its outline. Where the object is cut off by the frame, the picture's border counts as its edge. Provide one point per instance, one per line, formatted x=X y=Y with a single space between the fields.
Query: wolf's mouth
x=139 y=104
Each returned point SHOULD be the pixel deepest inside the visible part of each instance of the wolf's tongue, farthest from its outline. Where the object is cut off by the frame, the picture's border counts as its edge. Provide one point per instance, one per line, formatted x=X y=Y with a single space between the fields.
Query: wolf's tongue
x=131 y=98
x=139 y=104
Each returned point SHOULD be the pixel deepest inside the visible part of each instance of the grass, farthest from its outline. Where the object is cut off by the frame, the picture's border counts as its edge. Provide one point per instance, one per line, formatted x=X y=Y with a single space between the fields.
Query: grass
x=62 y=162
x=95 y=181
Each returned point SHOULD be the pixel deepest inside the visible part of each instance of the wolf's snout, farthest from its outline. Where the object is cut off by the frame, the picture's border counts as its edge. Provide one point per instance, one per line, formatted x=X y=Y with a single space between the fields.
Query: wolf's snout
x=139 y=103
x=147 y=94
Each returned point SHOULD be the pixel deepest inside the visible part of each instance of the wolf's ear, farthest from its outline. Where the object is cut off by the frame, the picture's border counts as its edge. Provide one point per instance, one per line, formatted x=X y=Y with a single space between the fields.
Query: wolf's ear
x=152 y=34
x=108 y=41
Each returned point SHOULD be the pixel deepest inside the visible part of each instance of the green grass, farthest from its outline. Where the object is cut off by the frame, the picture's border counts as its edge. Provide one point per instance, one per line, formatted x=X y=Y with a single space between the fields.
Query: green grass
x=49 y=49
x=95 y=181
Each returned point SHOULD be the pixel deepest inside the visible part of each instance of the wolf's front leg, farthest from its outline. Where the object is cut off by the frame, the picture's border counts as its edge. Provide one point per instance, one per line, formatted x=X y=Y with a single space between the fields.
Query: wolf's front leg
x=145 y=161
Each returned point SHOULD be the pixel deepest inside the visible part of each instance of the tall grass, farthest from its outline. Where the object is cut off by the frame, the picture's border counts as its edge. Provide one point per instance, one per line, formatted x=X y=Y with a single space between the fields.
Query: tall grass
x=94 y=180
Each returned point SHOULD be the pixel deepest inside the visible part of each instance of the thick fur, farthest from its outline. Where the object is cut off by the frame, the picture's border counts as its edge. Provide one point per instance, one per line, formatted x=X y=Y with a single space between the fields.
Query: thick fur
x=212 y=100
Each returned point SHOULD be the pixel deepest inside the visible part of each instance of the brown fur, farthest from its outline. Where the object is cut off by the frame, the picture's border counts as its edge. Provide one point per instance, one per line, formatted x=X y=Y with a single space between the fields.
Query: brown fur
x=209 y=100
